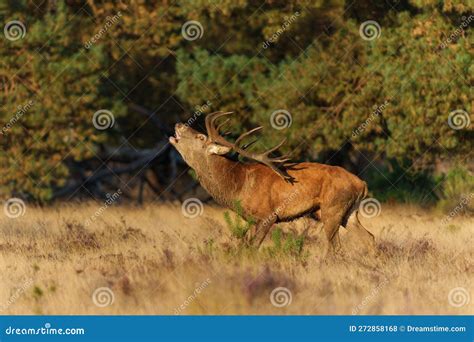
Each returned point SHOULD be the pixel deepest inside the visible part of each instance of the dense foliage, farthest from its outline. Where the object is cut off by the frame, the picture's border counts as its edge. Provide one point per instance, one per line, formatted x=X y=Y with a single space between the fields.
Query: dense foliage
x=376 y=102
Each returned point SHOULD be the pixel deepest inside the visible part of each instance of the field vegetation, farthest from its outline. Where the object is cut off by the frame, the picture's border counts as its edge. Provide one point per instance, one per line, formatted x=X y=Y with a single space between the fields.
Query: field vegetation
x=153 y=260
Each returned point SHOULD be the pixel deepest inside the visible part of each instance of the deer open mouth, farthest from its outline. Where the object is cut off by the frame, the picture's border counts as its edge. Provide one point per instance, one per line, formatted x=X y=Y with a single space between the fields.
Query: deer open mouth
x=175 y=139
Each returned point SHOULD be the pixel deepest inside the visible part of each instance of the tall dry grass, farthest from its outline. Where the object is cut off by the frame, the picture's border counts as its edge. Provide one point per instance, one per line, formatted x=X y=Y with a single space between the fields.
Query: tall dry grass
x=156 y=261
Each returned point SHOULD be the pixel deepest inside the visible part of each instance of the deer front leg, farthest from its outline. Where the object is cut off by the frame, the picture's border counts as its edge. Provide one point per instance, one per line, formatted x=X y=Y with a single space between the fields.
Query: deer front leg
x=259 y=231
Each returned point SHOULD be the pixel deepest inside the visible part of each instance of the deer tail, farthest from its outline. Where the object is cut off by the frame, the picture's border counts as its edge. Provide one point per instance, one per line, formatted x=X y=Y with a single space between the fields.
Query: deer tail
x=366 y=191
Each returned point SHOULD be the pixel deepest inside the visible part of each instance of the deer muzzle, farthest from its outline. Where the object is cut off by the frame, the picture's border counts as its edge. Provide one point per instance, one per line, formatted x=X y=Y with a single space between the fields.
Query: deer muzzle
x=178 y=128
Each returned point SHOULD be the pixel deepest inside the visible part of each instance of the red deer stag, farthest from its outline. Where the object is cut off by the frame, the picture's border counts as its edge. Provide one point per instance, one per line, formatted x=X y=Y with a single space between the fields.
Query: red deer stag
x=269 y=191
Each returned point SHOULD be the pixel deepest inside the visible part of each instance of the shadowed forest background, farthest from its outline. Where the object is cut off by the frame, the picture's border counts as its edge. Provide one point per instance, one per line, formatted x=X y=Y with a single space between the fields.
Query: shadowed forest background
x=252 y=57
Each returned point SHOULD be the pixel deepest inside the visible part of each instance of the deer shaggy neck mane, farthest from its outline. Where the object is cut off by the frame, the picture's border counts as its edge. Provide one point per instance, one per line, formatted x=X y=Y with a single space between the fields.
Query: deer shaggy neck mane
x=222 y=178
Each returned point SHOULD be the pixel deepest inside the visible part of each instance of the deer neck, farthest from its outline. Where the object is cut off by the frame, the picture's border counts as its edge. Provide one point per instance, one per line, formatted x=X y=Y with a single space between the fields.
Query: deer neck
x=222 y=178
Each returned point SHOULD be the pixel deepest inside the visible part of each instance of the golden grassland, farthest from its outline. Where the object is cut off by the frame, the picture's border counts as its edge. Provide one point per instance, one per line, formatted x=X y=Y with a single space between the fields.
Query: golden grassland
x=156 y=261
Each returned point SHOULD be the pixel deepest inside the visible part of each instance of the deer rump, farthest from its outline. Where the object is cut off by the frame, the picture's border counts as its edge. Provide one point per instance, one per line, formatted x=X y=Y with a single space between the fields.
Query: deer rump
x=272 y=190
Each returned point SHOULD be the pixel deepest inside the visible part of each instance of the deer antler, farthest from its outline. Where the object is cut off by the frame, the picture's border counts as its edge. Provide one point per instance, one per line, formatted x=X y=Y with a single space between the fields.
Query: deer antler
x=263 y=157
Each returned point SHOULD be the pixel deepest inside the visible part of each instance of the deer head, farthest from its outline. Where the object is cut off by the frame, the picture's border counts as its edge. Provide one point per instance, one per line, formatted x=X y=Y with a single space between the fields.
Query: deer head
x=194 y=146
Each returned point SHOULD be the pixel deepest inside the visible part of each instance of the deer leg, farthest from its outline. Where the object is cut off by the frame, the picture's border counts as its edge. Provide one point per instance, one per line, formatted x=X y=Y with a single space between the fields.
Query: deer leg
x=366 y=237
x=263 y=232
x=331 y=227
x=259 y=231
x=250 y=235
x=331 y=221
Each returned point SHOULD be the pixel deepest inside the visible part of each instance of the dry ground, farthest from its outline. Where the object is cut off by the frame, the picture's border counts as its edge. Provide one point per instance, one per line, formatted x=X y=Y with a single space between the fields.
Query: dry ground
x=156 y=261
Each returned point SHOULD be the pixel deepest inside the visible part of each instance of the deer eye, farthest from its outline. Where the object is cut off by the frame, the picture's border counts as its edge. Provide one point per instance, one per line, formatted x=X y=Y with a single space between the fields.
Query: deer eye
x=201 y=137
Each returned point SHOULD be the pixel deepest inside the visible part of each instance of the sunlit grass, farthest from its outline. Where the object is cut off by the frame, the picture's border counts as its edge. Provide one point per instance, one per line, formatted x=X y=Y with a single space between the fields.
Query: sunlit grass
x=153 y=259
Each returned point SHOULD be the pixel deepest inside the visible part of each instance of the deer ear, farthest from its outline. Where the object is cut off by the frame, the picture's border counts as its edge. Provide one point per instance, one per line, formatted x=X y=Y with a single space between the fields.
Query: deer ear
x=217 y=149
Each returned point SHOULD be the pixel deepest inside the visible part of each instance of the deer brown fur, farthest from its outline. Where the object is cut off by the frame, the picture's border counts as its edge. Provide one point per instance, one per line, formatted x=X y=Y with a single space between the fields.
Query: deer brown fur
x=268 y=195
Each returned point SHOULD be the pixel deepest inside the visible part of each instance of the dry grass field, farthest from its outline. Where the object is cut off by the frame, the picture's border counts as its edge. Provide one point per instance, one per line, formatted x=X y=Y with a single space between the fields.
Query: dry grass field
x=153 y=260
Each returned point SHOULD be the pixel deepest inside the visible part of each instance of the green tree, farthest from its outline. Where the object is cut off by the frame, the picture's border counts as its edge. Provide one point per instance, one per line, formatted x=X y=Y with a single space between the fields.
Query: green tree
x=45 y=121
x=385 y=100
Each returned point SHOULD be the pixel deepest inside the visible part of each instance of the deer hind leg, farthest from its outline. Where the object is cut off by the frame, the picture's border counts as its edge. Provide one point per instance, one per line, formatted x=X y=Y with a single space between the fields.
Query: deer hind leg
x=332 y=218
x=363 y=235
